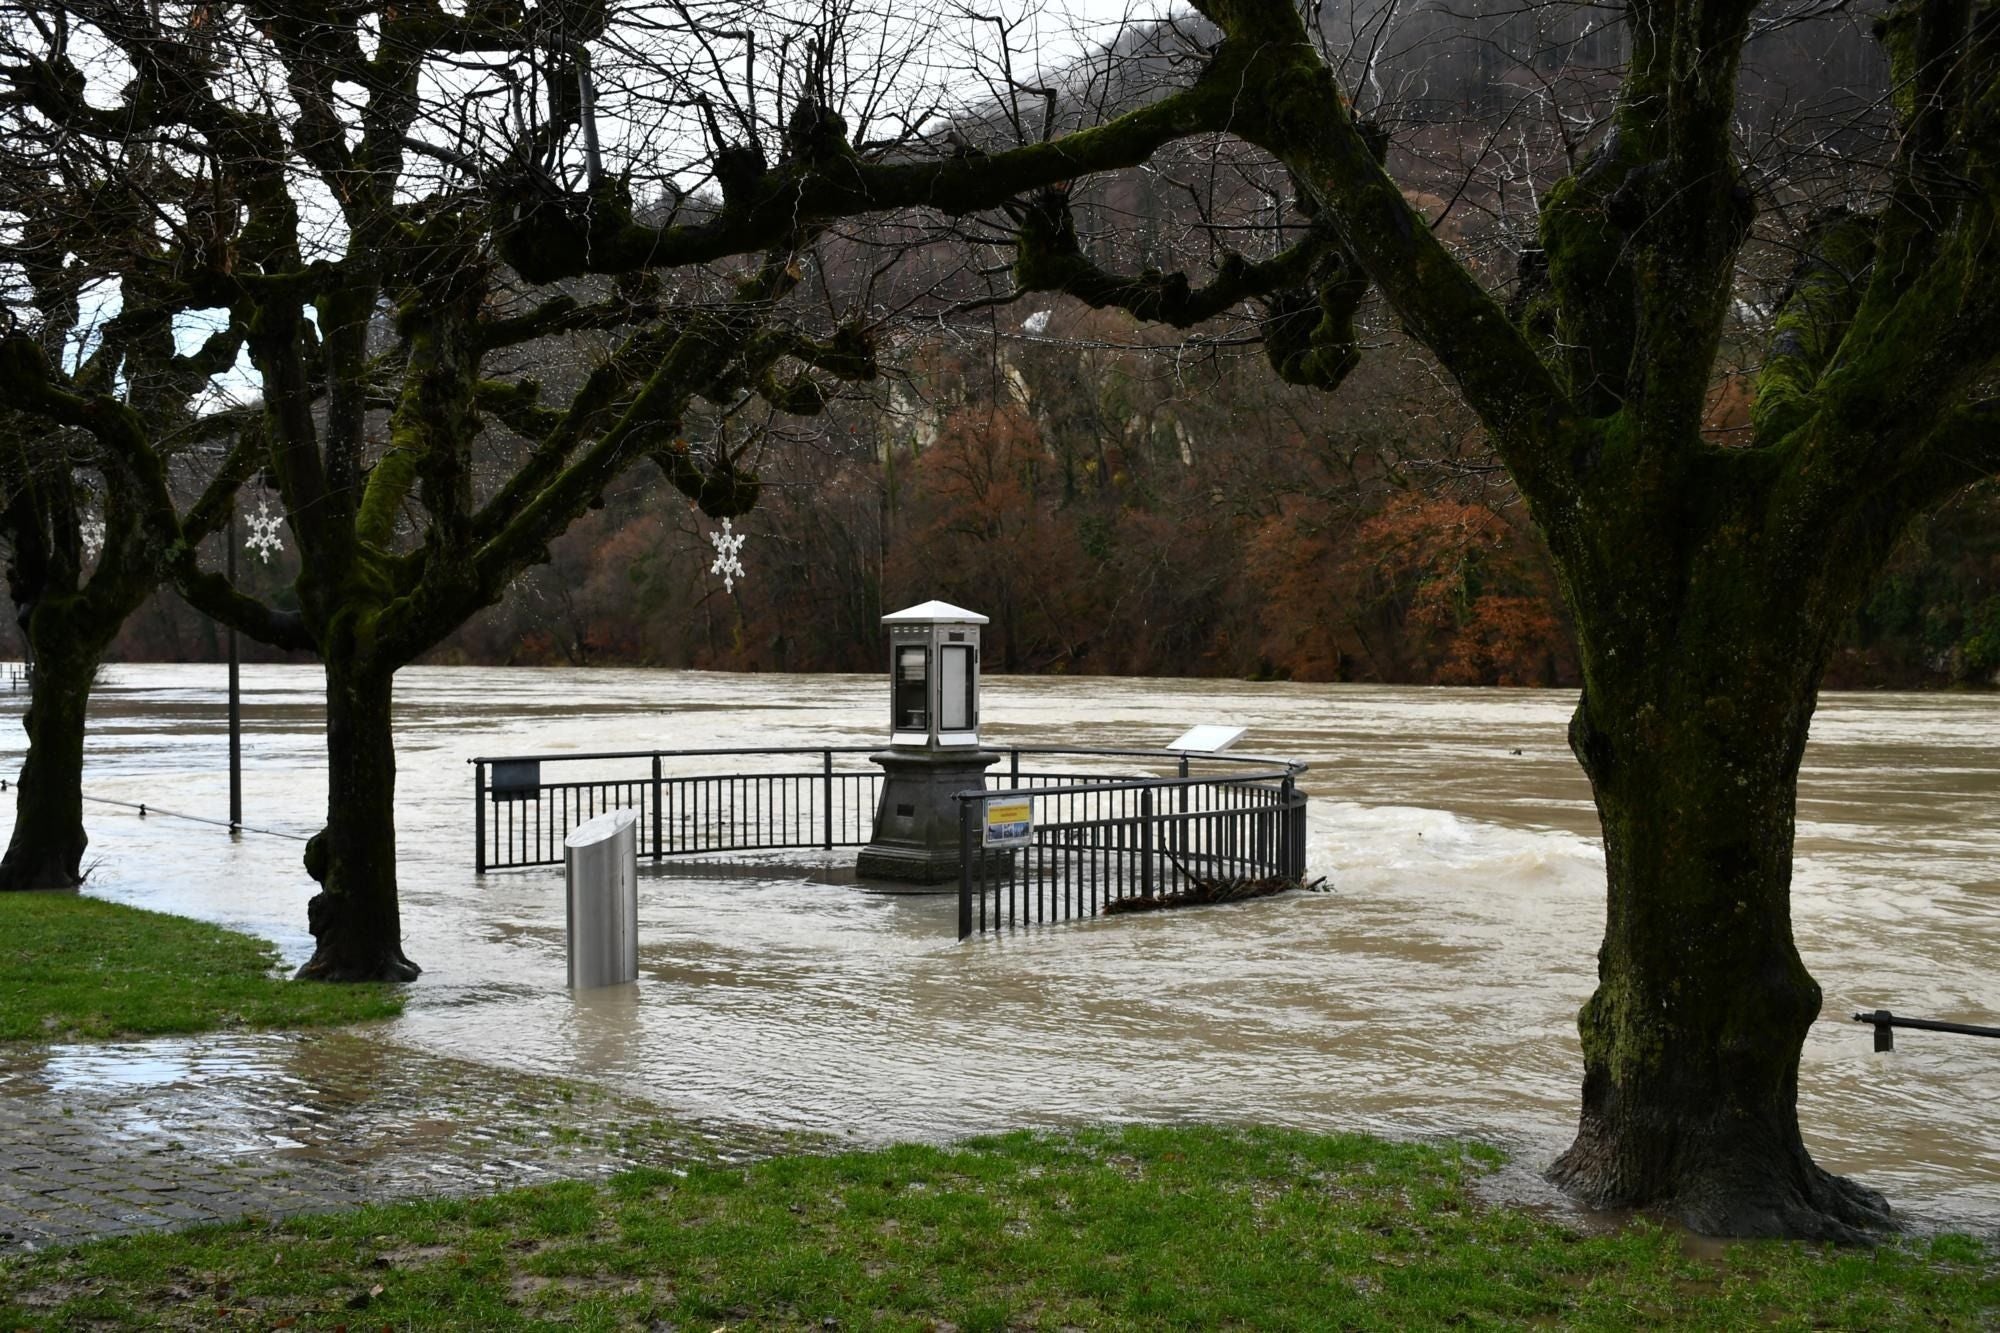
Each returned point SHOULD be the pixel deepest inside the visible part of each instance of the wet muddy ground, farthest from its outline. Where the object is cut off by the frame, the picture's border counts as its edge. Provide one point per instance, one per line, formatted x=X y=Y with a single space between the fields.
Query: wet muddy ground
x=107 y=1138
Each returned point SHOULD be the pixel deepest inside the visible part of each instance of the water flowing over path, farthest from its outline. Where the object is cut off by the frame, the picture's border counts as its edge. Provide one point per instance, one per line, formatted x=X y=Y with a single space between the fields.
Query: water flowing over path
x=1434 y=992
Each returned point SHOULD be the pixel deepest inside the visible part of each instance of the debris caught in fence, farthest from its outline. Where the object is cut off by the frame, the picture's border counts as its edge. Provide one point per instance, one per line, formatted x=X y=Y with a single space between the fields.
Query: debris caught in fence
x=1201 y=891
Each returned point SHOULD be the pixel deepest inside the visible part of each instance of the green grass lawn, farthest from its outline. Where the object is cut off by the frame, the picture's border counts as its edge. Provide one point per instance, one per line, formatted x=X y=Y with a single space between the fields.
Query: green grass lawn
x=73 y=967
x=1137 y=1228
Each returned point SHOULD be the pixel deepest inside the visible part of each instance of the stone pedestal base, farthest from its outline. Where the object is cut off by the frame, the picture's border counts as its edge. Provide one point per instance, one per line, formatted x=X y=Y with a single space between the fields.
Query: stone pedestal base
x=915 y=846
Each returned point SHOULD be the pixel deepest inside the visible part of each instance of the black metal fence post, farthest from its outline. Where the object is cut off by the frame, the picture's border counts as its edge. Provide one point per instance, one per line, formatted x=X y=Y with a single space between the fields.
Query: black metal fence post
x=965 y=855
x=1291 y=818
x=235 y=699
x=657 y=788
x=1146 y=843
x=1886 y=1023
x=478 y=817
x=1885 y=1031
x=826 y=797
x=1179 y=839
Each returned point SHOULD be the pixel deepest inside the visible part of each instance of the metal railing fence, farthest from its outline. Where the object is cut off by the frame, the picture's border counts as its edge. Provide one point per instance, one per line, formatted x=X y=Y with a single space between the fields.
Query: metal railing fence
x=808 y=797
x=1097 y=842
x=1886 y=1023
x=519 y=820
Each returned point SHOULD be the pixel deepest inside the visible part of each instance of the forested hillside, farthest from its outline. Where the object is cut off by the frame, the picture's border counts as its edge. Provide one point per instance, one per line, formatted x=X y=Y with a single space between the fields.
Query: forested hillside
x=1119 y=511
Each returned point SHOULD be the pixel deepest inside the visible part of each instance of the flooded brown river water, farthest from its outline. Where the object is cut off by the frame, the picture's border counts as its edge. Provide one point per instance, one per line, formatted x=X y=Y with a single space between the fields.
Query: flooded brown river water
x=1433 y=993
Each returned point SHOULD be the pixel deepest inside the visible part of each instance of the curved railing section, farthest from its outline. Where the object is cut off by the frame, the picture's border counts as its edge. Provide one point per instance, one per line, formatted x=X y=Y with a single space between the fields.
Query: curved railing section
x=1090 y=845
x=1076 y=838
x=764 y=797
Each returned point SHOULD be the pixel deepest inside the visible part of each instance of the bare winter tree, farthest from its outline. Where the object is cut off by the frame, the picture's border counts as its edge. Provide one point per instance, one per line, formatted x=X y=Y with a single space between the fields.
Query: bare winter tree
x=339 y=190
x=386 y=204
x=1707 y=572
x=87 y=527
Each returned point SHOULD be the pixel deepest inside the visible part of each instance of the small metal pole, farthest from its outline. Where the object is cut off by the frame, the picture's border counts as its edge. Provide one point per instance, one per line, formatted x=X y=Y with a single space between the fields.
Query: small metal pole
x=1292 y=856
x=235 y=698
x=656 y=806
x=1146 y=842
x=1180 y=826
x=478 y=817
x=965 y=854
x=1014 y=766
x=826 y=797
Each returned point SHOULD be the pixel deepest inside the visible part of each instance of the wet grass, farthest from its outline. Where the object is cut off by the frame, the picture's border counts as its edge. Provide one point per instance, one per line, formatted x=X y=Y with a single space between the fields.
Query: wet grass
x=75 y=967
x=1115 y=1229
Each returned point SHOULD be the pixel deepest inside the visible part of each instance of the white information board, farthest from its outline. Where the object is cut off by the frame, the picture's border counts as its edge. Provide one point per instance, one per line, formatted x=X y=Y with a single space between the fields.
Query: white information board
x=1208 y=738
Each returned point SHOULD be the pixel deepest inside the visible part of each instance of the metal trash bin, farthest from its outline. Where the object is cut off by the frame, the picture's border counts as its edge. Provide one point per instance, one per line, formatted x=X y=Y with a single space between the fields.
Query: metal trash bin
x=601 y=860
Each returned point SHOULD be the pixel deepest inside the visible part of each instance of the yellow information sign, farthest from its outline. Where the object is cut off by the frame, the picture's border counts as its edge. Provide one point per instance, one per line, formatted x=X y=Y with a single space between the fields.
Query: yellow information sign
x=1010 y=821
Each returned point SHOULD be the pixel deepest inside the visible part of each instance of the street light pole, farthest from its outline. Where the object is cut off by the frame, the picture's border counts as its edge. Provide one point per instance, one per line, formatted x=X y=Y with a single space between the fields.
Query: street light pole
x=235 y=699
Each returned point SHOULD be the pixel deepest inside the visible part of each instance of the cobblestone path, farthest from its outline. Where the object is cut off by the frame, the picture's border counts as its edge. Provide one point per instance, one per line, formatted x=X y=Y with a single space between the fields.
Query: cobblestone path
x=109 y=1138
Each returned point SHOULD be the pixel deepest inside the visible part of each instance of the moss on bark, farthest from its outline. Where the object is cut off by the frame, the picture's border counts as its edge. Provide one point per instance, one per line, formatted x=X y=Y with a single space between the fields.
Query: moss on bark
x=48 y=842
x=355 y=918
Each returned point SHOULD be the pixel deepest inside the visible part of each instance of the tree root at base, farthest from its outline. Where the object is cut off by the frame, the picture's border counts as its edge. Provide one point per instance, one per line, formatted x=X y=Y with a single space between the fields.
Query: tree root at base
x=1790 y=1200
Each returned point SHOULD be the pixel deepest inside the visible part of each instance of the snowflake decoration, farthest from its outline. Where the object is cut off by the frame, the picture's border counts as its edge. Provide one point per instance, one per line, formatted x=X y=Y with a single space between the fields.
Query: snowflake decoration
x=727 y=543
x=92 y=533
x=264 y=539
x=1036 y=322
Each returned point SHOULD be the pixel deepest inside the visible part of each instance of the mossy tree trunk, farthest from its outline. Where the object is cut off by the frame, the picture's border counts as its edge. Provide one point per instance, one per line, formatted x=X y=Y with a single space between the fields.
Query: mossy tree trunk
x=1703 y=638
x=48 y=842
x=69 y=612
x=355 y=917
x=1691 y=1041
x=1706 y=579
x=57 y=480
x=68 y=629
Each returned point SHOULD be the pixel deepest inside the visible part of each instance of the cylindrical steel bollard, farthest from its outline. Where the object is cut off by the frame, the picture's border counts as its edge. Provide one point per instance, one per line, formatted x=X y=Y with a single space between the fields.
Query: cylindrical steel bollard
x=601 y=857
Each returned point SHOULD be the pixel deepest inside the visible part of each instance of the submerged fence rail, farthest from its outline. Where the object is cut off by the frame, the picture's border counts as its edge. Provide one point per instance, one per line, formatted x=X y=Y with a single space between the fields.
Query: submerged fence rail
x=1886 y=1023
x=1097 y=843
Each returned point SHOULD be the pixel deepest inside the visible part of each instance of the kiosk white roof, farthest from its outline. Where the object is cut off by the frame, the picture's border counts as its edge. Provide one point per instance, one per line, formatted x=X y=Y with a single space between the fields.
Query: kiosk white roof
x=934 y=613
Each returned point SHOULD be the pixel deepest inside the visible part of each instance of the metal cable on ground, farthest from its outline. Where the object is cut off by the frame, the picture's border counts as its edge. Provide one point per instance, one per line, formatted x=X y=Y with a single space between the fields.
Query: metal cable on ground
x=145 y=810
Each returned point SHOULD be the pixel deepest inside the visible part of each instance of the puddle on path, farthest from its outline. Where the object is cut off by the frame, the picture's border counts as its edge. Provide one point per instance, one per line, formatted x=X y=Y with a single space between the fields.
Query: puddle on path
x=103 y=1139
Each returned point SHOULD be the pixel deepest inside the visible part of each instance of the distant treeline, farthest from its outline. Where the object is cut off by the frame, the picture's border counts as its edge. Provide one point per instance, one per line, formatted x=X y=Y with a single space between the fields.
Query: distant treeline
x=1116 y=510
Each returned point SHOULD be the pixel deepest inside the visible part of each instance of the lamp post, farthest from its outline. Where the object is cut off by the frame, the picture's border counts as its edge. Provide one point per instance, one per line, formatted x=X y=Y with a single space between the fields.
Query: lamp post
x=934 y=751
x=235 y=698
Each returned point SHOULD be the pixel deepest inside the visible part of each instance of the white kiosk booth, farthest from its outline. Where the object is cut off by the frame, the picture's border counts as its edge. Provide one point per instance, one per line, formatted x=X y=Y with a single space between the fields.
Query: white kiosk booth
x=933 y=749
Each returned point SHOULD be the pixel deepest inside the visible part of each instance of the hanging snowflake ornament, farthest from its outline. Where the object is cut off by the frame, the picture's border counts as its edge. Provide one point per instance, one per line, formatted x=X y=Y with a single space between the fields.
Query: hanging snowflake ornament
x=92 y=533
x=727 y=543
x=264 y=538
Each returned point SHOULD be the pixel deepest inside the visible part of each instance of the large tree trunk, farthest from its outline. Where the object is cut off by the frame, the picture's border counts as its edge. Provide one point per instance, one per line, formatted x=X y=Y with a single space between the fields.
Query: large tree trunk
x=46 y=850
x=1692 y=741
x=354 y=917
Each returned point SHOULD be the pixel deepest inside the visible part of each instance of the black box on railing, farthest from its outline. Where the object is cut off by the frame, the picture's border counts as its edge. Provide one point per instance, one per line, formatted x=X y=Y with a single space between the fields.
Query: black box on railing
x=516 y=780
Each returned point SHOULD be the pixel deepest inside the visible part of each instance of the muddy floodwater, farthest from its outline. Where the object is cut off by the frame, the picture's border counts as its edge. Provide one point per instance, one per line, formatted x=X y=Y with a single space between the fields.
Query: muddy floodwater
x=1434 y=992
